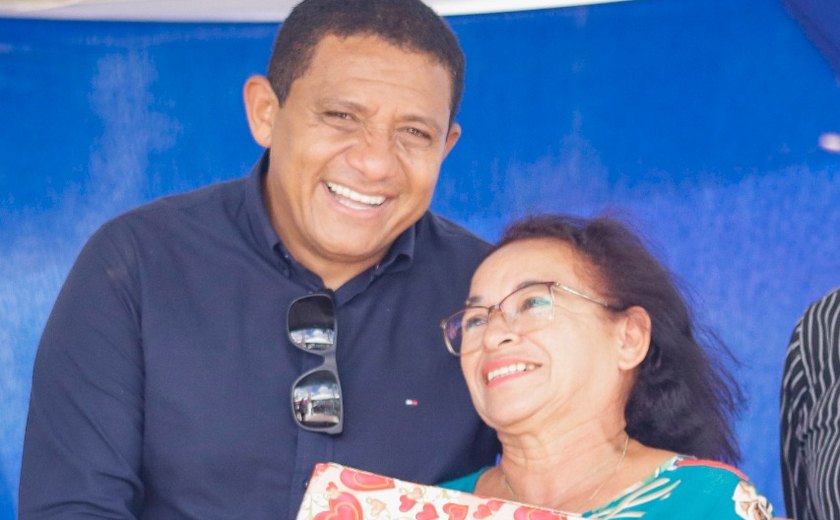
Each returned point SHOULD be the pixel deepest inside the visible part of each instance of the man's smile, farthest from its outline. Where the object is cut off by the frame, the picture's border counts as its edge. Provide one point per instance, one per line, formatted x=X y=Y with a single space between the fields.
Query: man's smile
x=352 y=199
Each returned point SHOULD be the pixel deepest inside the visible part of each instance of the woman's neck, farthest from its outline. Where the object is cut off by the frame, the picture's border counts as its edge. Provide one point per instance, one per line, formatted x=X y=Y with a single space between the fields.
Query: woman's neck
x=568 y=470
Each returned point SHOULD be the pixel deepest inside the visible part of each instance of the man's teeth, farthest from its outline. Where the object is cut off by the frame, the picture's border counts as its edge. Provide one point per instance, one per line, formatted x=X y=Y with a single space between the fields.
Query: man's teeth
x=510 y=369
x=347 y=193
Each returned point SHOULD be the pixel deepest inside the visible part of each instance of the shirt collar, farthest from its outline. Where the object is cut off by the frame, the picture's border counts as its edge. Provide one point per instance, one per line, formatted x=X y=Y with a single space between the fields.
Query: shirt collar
x=256 y=205
x=401 y=252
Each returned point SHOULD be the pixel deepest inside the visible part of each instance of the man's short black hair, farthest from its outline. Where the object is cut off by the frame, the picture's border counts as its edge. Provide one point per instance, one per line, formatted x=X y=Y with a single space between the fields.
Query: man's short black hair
x=407 y=24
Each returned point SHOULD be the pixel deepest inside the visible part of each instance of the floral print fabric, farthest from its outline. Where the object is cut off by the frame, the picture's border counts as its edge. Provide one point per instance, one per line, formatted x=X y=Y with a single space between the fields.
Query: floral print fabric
x=683 y=487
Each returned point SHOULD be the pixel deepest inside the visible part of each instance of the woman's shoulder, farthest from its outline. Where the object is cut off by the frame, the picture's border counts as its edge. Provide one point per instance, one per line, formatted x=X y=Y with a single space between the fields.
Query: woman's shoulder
x=693 y=465
x=712 y=474
x=466 y=483
x=705 y=488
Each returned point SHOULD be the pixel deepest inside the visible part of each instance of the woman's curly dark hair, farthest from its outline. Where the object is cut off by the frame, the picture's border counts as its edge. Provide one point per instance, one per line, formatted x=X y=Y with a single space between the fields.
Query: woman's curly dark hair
x=683 y=398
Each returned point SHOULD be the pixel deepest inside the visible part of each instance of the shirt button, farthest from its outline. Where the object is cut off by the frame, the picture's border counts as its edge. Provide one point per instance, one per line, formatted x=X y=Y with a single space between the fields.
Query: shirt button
x=305 y=484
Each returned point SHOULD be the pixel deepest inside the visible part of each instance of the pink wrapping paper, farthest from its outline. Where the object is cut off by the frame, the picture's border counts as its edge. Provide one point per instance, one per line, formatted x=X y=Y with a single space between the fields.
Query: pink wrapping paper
x=337 y=492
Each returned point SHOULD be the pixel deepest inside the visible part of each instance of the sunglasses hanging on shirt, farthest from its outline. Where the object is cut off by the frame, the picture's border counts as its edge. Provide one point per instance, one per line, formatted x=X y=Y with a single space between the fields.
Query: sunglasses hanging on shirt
x=316 y=395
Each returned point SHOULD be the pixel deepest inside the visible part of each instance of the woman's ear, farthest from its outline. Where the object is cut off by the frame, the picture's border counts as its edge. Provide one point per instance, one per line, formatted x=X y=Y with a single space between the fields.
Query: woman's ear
x=261 y=107
x=635 y=336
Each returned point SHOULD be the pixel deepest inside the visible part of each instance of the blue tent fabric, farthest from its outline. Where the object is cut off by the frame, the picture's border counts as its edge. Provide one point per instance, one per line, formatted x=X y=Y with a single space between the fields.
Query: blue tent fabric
x=697 y=120
x=821 y=21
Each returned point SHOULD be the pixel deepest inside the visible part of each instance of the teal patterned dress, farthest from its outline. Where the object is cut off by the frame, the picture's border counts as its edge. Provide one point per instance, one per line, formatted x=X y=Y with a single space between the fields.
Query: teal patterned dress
x=683 y=487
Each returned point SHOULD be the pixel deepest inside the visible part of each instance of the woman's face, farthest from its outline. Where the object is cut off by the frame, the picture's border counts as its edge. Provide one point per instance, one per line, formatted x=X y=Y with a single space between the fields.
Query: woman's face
x=567 y=368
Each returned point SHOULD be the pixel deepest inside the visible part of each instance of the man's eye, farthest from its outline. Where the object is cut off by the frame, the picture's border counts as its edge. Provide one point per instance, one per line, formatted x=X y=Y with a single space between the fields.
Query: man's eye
x=416 y=132
x=415 y=137
x=339 y=115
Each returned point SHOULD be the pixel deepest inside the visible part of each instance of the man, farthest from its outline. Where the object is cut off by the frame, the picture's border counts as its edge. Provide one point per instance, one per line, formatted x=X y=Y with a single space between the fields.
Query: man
x=164 y=380
x=810 y=416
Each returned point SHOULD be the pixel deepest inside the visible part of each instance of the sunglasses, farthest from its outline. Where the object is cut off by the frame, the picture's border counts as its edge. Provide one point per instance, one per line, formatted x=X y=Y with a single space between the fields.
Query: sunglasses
x=316 y=395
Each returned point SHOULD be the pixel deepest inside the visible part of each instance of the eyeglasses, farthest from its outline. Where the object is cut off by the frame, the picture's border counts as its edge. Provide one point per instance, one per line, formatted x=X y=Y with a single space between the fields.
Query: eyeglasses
x=316 y=395
x=525 y=309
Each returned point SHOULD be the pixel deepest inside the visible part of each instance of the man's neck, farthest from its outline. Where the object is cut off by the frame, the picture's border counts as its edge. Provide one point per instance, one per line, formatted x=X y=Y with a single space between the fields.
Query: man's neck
x=335 y=275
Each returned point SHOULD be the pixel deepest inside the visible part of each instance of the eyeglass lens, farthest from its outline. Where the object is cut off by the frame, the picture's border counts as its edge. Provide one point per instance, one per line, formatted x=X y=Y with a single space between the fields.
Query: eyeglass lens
x=523 y=309
x=316 y=395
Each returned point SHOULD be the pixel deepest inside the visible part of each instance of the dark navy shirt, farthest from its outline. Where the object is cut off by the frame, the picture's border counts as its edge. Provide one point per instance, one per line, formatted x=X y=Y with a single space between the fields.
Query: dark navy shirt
x=162 y=382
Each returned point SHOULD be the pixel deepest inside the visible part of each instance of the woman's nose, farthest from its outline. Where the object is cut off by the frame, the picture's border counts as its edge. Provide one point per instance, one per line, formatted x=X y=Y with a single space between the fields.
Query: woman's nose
x=499 y=331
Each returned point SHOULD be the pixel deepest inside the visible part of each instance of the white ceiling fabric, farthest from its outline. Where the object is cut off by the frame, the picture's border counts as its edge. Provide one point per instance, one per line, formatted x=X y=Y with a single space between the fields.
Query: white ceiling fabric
x=226 y=10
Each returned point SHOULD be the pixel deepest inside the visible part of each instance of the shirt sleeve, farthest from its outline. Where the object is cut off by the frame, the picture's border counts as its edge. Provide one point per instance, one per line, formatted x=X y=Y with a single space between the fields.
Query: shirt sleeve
x=716 y=490
x=809 y=413
x=692 y=489
x=83 y=442
x=795 y=403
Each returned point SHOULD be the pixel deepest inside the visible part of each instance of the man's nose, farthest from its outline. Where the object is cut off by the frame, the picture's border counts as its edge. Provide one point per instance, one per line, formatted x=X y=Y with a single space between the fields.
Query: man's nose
x=374 y=154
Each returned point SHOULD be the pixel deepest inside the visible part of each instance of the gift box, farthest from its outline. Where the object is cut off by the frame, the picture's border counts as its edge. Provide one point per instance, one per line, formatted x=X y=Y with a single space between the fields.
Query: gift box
x=337 y=492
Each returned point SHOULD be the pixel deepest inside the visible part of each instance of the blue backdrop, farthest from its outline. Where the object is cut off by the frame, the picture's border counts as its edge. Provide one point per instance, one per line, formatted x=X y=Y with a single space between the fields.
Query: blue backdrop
x=697 y=120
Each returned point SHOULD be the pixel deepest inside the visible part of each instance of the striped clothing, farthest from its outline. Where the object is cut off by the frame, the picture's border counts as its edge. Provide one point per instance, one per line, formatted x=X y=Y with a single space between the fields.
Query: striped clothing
x=810 y=414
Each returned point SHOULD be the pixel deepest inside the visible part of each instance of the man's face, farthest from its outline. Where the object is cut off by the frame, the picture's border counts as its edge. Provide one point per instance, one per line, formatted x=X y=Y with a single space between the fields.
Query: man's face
x=356 y=150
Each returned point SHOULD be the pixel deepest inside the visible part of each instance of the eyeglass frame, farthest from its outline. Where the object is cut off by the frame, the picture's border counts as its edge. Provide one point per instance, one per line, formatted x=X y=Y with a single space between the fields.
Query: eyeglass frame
x=498 y=307
x=328 y=365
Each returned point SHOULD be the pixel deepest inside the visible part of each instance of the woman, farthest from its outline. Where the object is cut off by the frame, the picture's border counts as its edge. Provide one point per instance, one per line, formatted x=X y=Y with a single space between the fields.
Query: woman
x=579 y=350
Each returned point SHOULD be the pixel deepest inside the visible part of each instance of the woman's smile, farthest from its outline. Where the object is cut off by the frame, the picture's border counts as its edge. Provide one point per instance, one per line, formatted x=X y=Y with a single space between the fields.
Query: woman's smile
x=502 y=369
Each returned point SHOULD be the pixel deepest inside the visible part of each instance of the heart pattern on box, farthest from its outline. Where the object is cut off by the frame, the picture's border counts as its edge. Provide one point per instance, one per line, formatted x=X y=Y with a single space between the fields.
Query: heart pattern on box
x=339 y=493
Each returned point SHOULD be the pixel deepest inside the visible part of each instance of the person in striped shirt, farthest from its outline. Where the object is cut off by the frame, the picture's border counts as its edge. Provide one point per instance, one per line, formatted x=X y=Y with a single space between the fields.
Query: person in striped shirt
x=810 y=414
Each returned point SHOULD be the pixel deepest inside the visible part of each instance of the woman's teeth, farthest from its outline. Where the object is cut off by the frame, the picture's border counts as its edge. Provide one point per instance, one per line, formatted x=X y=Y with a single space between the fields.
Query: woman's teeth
x=510 y=369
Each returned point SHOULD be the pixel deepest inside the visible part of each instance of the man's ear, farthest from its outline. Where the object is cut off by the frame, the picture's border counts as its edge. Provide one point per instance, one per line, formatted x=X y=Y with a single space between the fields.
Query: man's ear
x=261 y=107
x=635 y=336
x=451 y=138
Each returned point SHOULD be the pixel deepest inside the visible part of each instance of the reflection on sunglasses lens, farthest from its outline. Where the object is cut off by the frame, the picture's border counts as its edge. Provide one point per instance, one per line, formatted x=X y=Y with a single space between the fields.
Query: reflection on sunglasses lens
x=313 y=339
x=317 y=399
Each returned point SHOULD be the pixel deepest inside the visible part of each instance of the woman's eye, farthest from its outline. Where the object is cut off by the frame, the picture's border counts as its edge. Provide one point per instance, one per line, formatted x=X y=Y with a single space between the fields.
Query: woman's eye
x=535 y=303
x=473 y=322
